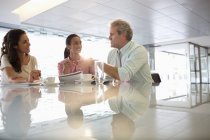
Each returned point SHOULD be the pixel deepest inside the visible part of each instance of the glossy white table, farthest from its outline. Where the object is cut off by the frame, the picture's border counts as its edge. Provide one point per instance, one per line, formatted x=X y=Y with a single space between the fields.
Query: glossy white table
x=72 y=111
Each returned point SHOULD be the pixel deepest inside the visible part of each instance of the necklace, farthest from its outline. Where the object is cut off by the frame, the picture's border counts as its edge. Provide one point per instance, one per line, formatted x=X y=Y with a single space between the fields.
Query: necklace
x=74 y=61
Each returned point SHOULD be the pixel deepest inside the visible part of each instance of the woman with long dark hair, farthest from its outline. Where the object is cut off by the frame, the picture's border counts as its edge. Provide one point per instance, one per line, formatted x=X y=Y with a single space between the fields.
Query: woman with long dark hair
x=17 y=65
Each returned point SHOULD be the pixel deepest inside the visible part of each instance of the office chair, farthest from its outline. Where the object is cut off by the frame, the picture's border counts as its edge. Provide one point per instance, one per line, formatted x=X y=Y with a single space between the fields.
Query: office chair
x=156 y=79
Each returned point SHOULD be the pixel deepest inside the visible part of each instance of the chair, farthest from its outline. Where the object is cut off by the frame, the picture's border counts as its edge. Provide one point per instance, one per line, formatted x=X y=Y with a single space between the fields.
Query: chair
x=156 y=79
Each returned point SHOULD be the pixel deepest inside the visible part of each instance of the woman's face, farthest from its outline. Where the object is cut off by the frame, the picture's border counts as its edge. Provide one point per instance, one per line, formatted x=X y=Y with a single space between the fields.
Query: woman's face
x=24 y=44
x=76 y=45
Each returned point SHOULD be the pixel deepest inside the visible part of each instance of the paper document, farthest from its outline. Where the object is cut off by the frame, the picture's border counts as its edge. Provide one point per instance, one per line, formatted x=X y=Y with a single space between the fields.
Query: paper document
x=71 y=77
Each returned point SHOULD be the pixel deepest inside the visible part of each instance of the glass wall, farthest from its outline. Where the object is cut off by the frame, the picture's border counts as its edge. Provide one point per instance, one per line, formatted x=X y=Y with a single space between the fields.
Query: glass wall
x=199 y=78
x=183 y=69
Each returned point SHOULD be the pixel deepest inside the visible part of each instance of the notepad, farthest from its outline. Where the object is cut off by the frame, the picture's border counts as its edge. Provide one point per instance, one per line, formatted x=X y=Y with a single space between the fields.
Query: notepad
x=71 y=77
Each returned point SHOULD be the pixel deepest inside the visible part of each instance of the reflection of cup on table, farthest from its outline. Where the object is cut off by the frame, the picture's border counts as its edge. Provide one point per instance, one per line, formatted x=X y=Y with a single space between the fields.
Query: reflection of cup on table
x=49 y=89
x=49 y=80
x=99 y=72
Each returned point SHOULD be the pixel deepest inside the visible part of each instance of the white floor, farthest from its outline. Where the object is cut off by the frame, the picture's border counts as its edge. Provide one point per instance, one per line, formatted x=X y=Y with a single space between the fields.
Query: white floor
x=164 y=123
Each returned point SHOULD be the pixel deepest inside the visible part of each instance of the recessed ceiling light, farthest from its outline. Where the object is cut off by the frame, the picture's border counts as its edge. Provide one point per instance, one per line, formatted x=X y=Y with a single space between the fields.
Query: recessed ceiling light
x=35 y=7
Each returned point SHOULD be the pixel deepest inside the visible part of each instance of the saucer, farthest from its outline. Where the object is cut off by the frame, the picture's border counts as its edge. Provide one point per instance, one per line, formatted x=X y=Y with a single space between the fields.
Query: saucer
x=50 y=84
x=84 y=80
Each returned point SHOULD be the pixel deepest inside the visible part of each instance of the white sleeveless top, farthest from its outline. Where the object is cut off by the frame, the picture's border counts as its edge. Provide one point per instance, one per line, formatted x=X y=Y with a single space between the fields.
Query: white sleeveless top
x=26 y=69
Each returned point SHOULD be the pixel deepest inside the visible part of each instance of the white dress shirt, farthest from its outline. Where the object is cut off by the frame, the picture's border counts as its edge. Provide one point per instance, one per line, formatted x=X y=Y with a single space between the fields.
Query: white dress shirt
x=134 y=60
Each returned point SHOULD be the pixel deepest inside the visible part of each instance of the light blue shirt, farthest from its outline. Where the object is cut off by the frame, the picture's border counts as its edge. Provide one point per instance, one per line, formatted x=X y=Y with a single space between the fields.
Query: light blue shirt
x=134 y=60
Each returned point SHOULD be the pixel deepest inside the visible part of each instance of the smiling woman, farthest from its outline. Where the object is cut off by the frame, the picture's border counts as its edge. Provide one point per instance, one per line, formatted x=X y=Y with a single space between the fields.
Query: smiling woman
x=17 y=65
x=75 y=62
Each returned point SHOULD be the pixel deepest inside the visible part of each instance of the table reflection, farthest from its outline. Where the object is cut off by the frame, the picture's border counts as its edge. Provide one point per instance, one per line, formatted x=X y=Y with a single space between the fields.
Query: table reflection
x=77 y=96
x=73 y=107
x=130 y=103
x=74 y=97
x=16 y=104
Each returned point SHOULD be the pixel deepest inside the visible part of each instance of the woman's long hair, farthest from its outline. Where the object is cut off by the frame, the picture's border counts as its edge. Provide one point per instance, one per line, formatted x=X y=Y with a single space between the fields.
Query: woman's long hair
x=66 y=53
x=9 y=47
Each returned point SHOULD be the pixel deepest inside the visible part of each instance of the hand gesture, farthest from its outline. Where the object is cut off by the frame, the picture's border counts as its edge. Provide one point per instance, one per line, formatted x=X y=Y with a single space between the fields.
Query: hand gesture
x=34 y=75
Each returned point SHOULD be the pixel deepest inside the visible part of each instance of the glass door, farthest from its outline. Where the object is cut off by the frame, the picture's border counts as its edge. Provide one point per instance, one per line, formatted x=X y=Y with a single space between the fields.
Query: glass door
x=199 y=77
x=195 y=73
x=171 y=62
x=204 y=74
x=184 y=74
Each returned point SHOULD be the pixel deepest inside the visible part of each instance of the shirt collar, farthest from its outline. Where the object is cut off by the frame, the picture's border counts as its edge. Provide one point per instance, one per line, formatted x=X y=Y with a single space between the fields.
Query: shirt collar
x=126 y=47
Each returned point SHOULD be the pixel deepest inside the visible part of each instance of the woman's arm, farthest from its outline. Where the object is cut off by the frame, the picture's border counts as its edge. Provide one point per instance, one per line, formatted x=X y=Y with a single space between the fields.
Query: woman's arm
x=12 y=78
x=111 y=71
x=60 y=68
x=34 y=75
x=64 y=67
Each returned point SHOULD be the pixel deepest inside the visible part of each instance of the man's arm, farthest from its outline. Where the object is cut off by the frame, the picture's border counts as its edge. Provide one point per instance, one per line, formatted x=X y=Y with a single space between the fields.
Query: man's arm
x=111 y=71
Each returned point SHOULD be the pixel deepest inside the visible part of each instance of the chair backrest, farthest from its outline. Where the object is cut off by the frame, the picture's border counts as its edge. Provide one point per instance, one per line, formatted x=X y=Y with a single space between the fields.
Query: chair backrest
x=156 y=79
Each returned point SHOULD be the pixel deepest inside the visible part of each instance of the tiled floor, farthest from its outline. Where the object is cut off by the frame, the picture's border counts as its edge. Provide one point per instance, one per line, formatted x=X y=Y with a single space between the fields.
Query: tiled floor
x=175 y=124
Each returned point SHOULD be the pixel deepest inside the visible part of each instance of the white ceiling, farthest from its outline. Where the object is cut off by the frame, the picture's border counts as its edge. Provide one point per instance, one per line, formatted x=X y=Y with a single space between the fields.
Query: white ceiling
x=153 y=21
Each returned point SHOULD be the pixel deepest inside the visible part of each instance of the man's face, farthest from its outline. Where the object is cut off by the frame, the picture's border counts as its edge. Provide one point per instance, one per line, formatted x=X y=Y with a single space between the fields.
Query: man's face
x=115 y=38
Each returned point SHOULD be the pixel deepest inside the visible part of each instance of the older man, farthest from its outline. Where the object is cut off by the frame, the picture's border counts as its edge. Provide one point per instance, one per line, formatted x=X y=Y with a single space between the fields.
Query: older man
x=128 y=61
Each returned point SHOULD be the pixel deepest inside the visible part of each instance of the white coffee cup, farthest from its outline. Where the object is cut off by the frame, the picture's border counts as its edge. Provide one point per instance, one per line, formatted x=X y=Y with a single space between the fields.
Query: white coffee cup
x=86 y=77
x=49 y=80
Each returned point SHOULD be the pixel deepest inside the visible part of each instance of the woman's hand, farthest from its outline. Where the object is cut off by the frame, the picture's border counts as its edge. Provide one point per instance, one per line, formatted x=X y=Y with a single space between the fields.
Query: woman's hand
x=34 y=75
x=66 y=66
